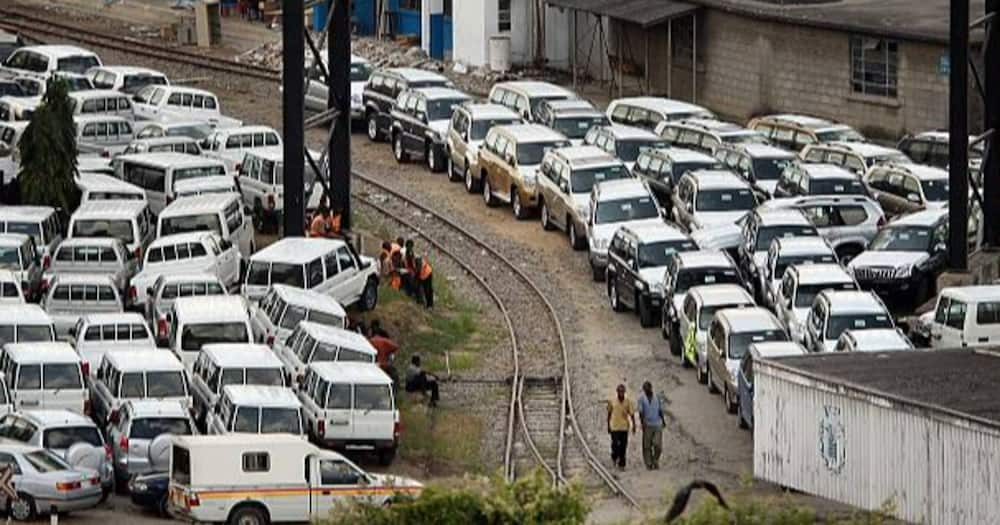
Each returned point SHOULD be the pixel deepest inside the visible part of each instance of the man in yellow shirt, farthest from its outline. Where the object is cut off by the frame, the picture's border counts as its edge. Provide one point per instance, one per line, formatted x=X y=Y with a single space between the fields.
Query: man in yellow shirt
x=621 y=416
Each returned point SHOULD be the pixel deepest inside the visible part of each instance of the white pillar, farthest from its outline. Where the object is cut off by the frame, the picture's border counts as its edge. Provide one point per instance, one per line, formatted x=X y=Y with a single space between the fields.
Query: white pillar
x=428 y=8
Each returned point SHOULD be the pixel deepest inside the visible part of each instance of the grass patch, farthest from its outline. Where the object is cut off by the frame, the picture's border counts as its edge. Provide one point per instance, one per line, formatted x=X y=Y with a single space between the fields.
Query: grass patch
x=444 y=439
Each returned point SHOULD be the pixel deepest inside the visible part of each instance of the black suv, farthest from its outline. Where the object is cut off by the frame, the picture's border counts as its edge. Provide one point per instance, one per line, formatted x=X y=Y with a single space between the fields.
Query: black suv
x=663 y=167
x=905 y=257
x=382 y=89
x=420 y=120
x=637 y=260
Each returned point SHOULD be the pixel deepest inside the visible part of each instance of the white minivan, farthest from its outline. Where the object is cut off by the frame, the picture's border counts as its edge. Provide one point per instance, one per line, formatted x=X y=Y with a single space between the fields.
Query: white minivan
x=96 y=334
x=137 y=374
x=231 y=364
x=103 y=135
x=101 y=187
x=44 y=375
x=256 y=409
x=196 y=321
x=966 y=316
x=185 y=253
x=313 y=342
x=284 y=307
x=25 y=323
x=219 y=213
x=131 y=222
x=156 y=173
x=351 y=406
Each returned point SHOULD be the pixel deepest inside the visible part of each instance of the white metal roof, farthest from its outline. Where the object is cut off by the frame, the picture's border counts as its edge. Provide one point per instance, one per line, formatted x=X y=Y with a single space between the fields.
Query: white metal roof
x=803 y=245
x=242 y=130
x=241 y=355
x=338 y=337
x=580 y=156
x=297 y=250
x=715 y=294
x=25 y=213
x=827 y=171
x=720 y=127
x=649 y=232
x=758 y=150
x=262 y=396
x=57 y=418
x=973 y=294
x=750 y=319
x=441 y=92
x=531 y=133
x=143 y=360
x=186 y=89
x=109 y=209
x=867 y=149
x=923 y=172
x=536 y=88
x=351 y=372
x=141 y=408
x=412 y=74
x=771 y=349
x=47 y=352
x=573 y=106
x=13 y=239
x=169 y=139
x=128 y=70
x=169 y=159
x=661 y=105
x=853 y=301
x=100 y=181
x=704 y=259
x=60 y=279
x=211 y=182
x=309 y=299
x=490 y=111
x=781 y=217
x=805 y=121
x=27 y=314
x=718 y=180
x=198 y=204
x=80 y=120
x=878 y=339
x=240 y=442
x=621 y=189
x=89 y=241
x=821 y=273
x=60 y=51
x=171 y=278
x=211 y=309
x=90 y=94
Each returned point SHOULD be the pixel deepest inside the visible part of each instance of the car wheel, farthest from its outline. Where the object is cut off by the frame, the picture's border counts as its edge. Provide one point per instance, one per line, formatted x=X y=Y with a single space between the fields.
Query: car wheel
x=488 y=198
x=23 y=508
x=248 y=516
x=678 y=350
x=451 y=168
x=433 y=162
x=700 y=373
x=397 y=148
x=544 y=217
x=369 y=296
x=163 y=507
x=258 y=215
x=645 y=312
x=520 y=212
x=471 y=185
x=575 y=241
x=739 y=418
x=613 y=298
x=709 y=381
x=373 y=132
x=730 y=407
x=596 y=273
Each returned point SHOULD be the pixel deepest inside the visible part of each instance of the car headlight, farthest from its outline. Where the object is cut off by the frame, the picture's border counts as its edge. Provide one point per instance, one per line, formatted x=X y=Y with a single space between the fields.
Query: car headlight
x=903 y=272
x=435 y=136
x=138 y=486
x=657 y=288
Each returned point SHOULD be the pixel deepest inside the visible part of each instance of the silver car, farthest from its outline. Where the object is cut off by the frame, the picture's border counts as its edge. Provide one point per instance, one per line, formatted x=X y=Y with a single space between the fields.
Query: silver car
x=140 y=441
x=45 y=482
x=71 y=436
x=71 y=296
x=95 y=255
x=847 y=222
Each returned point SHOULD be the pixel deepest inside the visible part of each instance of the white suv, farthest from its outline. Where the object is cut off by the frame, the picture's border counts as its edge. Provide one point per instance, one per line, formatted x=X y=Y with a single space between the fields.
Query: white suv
x=613 y=204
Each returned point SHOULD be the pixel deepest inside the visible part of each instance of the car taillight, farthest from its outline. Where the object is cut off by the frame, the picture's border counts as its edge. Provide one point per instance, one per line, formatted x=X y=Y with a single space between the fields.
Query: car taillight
x=270 y=339
x=123 y=443
x=46 y=262
x=106 y=154
x=107 y=451
x=133 y=293
x=161 y=328
x=192 y=500
x=85 y=366
x=321 y=427
x=67 y=485
x=95 y=480
x=45 y=284
x=270 y=201
x=397 y=430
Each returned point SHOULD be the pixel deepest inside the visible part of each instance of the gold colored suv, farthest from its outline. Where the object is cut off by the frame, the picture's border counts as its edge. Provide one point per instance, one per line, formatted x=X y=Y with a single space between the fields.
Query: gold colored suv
x=508 y=164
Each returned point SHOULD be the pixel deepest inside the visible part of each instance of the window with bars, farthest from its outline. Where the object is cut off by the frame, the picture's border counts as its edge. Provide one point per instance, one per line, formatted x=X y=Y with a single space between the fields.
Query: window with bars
x=874 y=63
x=503 y=16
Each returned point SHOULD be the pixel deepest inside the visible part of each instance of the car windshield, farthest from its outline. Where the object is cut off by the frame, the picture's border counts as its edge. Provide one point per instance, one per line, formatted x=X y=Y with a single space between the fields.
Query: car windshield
x=628 y=150
x=77 y=64
x=740 y=343
x=440 y=109
x=806 y=294
x=195 y=131
x=265 y=376
x=840 y=135
x=935 y=190
x=784 y=262
x=888 y=157
x=191 y=223
x=165 y=384
x=32 y=229
x=78 y=84
x=902 y=239
x=837 y=187
x=12 y=89
x=708 y=312
x=151 y=427
x=44 y=461
x=202 y=171
x=678 y=169
x=65 y=437
x=196 y=335
x=360 y=71
x=770 y=169
x=577 y=127
x=536 y=101
x=657 y=254
x=290 y=274
x=630 y=209
x=582 y=181
x=481 y=127
x=725 y=200
x=531 y=153
x=63 y=376
x=280 y=420
x=10 y=257
x=257 y=274
x=699 y=276
x=34 y=333
x=121 y=230
x=838 y=324
x=767 y=234
x=133 y=83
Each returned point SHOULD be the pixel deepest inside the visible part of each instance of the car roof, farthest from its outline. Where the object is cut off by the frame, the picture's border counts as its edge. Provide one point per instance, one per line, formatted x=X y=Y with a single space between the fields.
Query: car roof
x=351 y=372
x=8 y=276
x=96 y=93
x=177 y=238
x=856 y=301
x=139 y=360
x=412 y=74
x=713 y=294
x=750 y=319
x=717 y=179
x=704 y=259
x=530 y=132
x=815 y=200
x=45 y=352
x=169 y=139
x=244 y=129
x=312 y=300
x=201 y=183
x=489 y=111
x=866 y=149
x=128 y=70
x=973 y=294
x=27 y=313
x=101 y=181
x=879 y=339
x=440 y=92
x=172 y=159
x=26 y=213
x=57 y=418
x=623 y=132
x=261 y=395
x=821 y=273
x=676 y=154
x=585 y=155
x=212 y=308
x=781 y=217
x=198 y=204
x=714 y=125
x=59 y=51
x=297 y=250
x=920 y=171
x=621 y=189
x=827 y=171
x=272 y=153
x=758 y=150
x=13 y=239
x=805 y=121
x=157 y=408
x=171 y=278
x=81 y=278
x=661 y=105
x=113 y=318
x=803 y=245
x=87 y=119
x=174 y=88
x=241 y=355
x=572 y=106
x=241 y=442
x=928 y=217
x=655 y=232
x=337 y=336
x=769 y=349
x=536 y=88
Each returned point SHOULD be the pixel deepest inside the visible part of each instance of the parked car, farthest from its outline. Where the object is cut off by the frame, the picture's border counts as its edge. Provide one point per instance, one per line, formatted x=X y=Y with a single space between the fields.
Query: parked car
x=218 y=213
x=221 y=364
x=689 y=339
x=760 y=228
x=470 y=121
x=848 y=223
x=284 y=307
x=174 y=103
x=257 y=409
x=71 y=296
x=685 y=271
x=198 y=252
x=151 y=491
x=96 y=334
x=873 y=340
x=193 y=129
x=197 y=321
x=906 y=188
x=707 y=198
x=746 y=383
x=384 y=86
x=508 y=163
x=131 y=222
x=43 y=61
x=137 y=374
x=232 y=144
x=171 y=144
x=157 y=173
x=25 y=323
x=96 y=186
x=788 y=251
x=805 y=179
x=314 y=342
x=729 y=338
x=216 y=185
x=168 y=287
x=524 y=96
x=419 y=124
x=706 y=135
x=127 y=79
x=965 y=316
x=793 y=132
x=316 y=90
x=140 y=439
x=18 y=109
x=45 y=482
x=568 y=175
x=800 y=285
x=103 y=135
x=10 y=288
x=261 y=181
x=648 y=112
x=638 y=257
x=571 y=117
x=760 y=164
x=858 y=157
x=101 y=102
x=40 y=222
x=94 y=255
x=623 y=142
x=614 y=204
x=18 y=255
x=36 y=87
x=663 y=167
x=833 y=312
x=44 y=375
x=905 y=257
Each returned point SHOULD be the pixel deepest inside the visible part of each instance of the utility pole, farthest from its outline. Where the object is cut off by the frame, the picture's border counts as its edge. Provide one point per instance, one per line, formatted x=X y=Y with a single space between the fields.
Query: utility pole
x=293 y=83
x=339 y=98
x=958 y=136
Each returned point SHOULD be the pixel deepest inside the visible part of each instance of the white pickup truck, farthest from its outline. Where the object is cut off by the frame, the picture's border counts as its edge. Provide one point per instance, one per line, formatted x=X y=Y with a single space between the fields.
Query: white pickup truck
x=259 y=479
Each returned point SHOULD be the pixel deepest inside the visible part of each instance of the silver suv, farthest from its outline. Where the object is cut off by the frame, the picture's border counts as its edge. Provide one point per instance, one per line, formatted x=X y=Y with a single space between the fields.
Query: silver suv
x=470 y=122
x=848 y=223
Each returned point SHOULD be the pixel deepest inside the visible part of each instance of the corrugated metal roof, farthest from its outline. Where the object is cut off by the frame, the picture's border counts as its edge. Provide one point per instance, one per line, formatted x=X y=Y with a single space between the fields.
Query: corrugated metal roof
x=643 y=12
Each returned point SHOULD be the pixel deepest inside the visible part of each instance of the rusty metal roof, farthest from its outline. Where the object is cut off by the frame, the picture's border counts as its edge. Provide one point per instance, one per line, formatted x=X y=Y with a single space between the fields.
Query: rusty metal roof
x=646 y=13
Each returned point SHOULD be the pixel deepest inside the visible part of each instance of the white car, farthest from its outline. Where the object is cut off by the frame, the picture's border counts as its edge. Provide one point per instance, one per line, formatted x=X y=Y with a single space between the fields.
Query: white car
x=834 y=312
x=316 y=92
x=176 y=103
x=613 y=204
x=43 y=61
x=231 y=144
x=785 y=252
x=168 y=287
x=799 y=287
x=707 y=198
x=186 y=253
x=873 y=340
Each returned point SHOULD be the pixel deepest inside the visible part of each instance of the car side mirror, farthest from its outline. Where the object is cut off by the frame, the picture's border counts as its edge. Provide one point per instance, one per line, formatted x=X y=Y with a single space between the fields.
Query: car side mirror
x=940 y=247
x=913 y=197
x=422 y=116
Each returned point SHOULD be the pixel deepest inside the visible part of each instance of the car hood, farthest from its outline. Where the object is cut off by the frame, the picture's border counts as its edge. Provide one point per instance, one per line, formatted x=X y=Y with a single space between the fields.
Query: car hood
x=653 y=275
x=711 y=219
x=768 y=185
x=528 y=173
x=718 y=237
x=890 y=259
x=581 y=201
x=389 y=480
x=439 y=126
x=605 y=231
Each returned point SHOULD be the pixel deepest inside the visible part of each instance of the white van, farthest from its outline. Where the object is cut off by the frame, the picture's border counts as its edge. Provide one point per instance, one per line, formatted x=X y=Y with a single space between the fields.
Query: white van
x=18 y=254
x=351 y=406
x=25 y=323
x=313 y=342
x=160 y=296
x=966 y=316
x=326 y=266
x=96 y=334
x=103 y=135
x=18 y=109
x=197 y=321
x=231 y=364
x=230 y=145
x=126 y=79
x=219 y=213
x=40 y=222
x=71 y=296
x=104 y=102
x=196 y=252
x=137 y=374
x=101 y=187
x=261 y=176
x=256 y=409
x=284 y=307
x=44 y=375
x=157 y=172
x=170 y=103
x=43 y=61
x=131 y=222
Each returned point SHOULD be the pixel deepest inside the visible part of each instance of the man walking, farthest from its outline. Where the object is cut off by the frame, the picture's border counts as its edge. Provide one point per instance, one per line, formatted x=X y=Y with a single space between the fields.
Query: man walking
x=620 y=416
x=651 y=417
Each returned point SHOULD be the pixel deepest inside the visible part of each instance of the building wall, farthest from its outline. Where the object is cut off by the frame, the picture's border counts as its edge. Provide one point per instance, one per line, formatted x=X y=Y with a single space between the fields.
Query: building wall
x=866 y=450
x=475 y=21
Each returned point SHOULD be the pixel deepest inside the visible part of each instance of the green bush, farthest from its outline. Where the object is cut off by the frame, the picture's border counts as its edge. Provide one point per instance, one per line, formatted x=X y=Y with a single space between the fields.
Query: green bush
x=48 y=152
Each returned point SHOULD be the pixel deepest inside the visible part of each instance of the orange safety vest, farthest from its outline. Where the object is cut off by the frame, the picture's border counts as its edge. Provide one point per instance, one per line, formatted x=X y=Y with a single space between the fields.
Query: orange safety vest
x=425 y=271
x=318 y=227
x=395 y=281
x=334 y=224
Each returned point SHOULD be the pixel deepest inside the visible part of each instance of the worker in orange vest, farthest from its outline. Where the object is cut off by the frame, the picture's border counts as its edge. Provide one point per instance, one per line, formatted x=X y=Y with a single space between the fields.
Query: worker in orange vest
x=424 y=283
x=319 y=225
x=396 y=270
x=333 y=223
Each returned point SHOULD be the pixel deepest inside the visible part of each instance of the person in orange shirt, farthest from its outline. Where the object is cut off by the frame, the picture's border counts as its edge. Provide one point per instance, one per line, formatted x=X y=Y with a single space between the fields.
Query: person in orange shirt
x=319 y=227
x=385 y=347
x=396 y=270
x=333 y=223
x=424 y=283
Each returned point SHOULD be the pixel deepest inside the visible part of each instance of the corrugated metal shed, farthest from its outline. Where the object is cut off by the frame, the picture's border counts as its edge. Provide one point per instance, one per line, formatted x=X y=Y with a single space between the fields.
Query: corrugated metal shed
x=919 y=429
x=646 y=13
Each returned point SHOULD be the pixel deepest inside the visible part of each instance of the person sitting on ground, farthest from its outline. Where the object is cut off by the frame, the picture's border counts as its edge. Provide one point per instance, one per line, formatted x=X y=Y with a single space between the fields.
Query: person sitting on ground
x=419 y=381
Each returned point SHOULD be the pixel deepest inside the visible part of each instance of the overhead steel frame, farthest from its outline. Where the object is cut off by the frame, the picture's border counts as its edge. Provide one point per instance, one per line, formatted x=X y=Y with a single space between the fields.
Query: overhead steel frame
x=333 y=167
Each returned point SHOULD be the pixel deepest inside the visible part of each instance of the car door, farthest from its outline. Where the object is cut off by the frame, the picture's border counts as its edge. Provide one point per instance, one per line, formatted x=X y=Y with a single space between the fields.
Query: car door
x=627 y=271
x=416 y=125
x=338 y=408
x=334 y=481
x=912 y=198
x=496 y=161
x=947 y=330
x=349 y=283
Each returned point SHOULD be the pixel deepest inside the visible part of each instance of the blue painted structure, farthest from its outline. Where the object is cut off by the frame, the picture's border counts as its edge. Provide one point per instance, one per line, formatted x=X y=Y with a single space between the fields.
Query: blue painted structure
x=364 y=17
x=407 y=20
x=437 y=35
x=448 y=32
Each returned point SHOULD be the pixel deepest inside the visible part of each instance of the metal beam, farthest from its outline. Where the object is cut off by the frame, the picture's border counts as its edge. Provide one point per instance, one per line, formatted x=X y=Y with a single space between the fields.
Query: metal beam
x=293 y=71
x=958 y=117
x=991 y=114
x=339 y=97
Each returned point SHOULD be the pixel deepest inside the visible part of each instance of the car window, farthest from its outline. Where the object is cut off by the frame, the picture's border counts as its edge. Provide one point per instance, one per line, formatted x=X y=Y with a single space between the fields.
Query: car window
x=132 y=386
x=247 y=420
x=29 y=377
